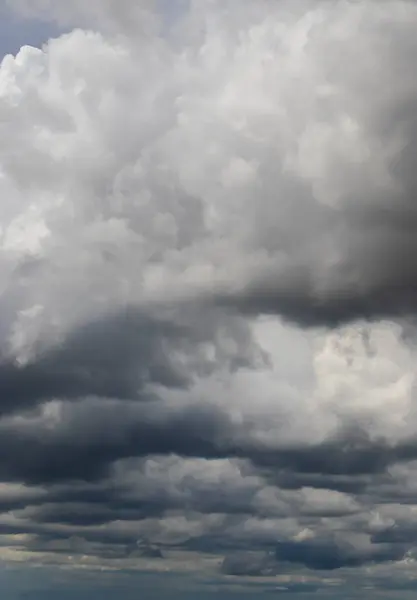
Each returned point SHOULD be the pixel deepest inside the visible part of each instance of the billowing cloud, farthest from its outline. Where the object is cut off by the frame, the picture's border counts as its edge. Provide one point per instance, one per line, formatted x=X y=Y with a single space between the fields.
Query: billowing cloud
x=208 y=289
x=163 y=197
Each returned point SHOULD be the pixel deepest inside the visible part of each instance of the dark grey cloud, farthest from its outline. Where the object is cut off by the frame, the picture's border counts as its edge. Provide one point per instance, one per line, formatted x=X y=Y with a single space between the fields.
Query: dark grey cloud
x=301 y=305
x=117 y=356
x=36 y=455
x=376 y=278
x=327 y=555
x=316 y=554
x=92 y=435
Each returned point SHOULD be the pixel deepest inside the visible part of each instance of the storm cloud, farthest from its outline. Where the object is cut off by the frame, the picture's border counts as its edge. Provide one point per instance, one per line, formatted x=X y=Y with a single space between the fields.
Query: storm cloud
x=208 y=283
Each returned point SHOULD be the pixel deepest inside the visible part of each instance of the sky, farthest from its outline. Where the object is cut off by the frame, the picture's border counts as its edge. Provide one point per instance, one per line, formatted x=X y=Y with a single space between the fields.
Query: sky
x=208 y=292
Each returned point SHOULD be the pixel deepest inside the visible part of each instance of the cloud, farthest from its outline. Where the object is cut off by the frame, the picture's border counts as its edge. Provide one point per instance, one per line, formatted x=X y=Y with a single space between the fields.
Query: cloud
x=204 y=223
x=328 y=555
x=328 y=156
x=248 y=564
x=97 y=359
x=82 y=442
x=317 y=554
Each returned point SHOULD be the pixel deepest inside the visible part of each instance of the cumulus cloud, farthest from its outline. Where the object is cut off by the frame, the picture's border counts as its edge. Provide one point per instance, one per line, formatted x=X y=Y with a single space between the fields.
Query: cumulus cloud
x=207 y=221
x=324 y=148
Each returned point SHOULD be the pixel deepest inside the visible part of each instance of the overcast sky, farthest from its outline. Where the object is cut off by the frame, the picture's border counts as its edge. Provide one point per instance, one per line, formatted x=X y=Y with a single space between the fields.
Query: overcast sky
x=208 y=292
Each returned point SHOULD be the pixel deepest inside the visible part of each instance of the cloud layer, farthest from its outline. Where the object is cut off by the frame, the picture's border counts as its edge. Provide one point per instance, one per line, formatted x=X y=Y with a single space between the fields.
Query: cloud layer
x=208 y=273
